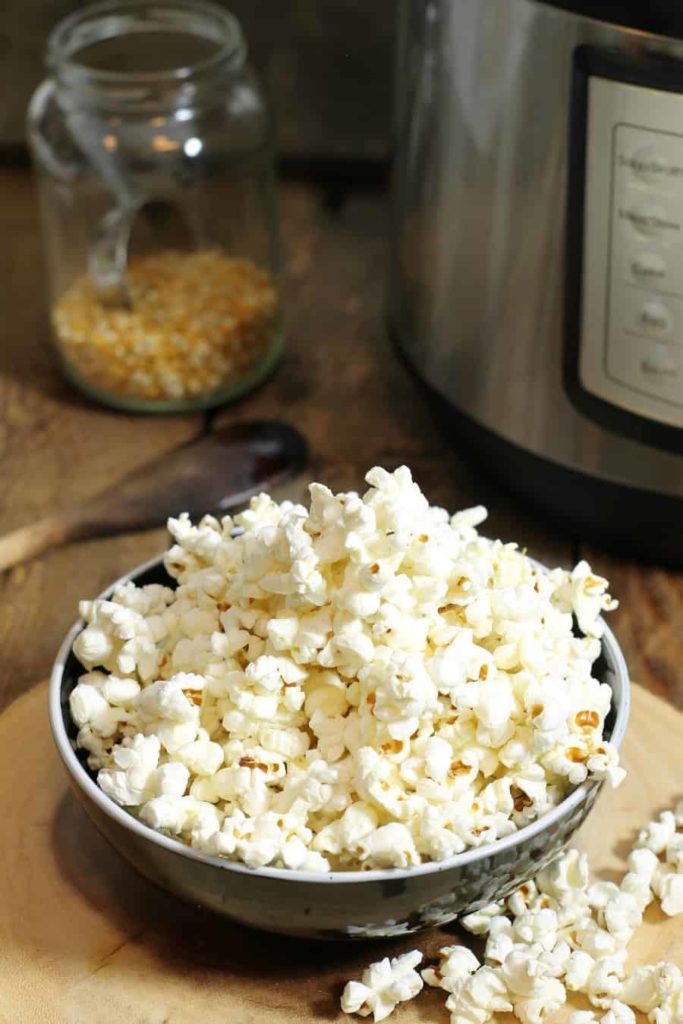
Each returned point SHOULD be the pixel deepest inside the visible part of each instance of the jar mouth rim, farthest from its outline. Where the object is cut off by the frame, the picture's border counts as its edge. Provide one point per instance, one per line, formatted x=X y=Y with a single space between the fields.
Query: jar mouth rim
x=98 y=22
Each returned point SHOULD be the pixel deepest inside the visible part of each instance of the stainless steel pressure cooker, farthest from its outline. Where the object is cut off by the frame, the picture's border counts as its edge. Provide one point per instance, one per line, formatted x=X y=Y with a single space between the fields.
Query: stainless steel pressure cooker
x=537 y=282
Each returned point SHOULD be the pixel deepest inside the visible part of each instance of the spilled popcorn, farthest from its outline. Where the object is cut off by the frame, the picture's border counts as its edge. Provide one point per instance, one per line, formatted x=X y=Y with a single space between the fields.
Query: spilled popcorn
x=555 y=935
x=365 y=684
x=384 y=985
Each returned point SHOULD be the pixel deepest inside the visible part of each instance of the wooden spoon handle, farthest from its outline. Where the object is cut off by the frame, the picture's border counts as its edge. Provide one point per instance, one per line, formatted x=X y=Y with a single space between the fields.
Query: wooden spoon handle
x=217 y=472
x=29 y=541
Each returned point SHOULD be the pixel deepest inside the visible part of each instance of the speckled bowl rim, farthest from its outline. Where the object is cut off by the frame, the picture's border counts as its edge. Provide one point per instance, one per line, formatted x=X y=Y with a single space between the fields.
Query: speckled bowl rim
x=91 y=790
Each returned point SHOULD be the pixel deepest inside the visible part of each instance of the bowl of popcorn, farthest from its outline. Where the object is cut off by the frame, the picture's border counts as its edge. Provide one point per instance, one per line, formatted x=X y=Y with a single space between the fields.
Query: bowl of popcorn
x=356 y=719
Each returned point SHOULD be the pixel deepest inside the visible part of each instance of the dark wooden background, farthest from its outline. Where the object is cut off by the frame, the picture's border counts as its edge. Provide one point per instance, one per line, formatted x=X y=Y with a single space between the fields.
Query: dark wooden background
x=328 y=65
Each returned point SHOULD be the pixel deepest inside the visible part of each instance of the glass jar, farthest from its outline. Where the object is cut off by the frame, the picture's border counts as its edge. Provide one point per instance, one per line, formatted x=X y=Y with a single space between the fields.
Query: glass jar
x=152 y=143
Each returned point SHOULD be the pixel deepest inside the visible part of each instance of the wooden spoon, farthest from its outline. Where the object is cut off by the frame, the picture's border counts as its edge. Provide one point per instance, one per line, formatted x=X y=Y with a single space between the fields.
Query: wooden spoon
x=216 y=473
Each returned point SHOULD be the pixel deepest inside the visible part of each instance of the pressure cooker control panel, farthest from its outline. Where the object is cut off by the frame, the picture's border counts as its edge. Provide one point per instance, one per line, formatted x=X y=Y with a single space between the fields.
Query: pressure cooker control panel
x=629 y=324
x=644 y=328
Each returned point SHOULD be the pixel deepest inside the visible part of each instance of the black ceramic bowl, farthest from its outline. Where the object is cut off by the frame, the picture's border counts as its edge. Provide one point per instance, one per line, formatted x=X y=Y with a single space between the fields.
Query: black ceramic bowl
x=338 y=905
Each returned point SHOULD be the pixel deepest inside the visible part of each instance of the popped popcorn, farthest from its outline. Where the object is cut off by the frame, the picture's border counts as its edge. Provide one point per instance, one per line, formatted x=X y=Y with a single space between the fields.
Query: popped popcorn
x=477 y=997
x=455 y=963
x=384 y=985
x=398 y=686
x=559 y=934
x=131 y=779
x=668 y=886
x=619 y=1013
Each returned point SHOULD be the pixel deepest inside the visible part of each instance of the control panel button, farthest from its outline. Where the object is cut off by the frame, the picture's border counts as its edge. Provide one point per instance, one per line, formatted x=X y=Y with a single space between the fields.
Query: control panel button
x=649 y=218
x=647 y=164
x=661 y=360
x=649 y=368
x=648 y=315
x=653 y=164
x=648 y=269
x=654 y=317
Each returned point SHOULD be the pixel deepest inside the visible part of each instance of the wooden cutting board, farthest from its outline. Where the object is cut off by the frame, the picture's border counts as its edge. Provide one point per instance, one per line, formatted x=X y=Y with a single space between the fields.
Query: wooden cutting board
x=84 y=940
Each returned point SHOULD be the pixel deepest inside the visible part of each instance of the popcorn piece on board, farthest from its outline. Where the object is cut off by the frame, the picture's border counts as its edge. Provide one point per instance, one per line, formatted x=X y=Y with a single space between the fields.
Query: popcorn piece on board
x=384 y=985
x=455 y=963
x=477 y=997
x=558 y=933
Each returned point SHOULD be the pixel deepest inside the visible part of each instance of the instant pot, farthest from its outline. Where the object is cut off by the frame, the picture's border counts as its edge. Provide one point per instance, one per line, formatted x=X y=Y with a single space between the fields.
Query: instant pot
x=537 y=281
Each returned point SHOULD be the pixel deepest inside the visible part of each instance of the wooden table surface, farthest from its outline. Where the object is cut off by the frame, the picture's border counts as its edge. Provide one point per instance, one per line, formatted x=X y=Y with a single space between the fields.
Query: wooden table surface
x=340 y=383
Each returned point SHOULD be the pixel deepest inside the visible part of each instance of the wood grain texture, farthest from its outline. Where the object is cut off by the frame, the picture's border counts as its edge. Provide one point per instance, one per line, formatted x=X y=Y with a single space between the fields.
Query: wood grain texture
x=648 y=622
x=217 y=472
x=29 y=542
x=84 y=940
